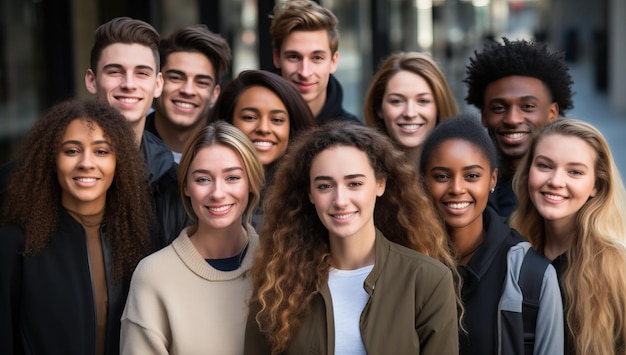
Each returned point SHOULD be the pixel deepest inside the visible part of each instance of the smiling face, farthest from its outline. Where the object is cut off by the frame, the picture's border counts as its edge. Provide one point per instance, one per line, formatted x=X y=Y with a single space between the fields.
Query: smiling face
x=127 y=79
x=305 y=60
x=218 y=188
x=85 y=167
x=561 y=177
x=189 y=90
x=458 y=177
x=263 y=117
x=408 y=109
x=514 y=108
x=343 y=189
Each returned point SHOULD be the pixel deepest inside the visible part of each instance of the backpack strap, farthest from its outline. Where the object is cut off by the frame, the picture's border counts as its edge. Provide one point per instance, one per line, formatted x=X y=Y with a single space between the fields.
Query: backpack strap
x=530 y=280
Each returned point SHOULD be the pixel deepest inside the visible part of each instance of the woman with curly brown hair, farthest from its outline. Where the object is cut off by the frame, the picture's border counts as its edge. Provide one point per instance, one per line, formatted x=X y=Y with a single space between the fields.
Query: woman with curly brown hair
x=347 y=257
x=76 y=220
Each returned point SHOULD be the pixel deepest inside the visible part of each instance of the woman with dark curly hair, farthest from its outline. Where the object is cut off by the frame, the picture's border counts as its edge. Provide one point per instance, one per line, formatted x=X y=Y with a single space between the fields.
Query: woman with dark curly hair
x=348 y=255
x=76 y=220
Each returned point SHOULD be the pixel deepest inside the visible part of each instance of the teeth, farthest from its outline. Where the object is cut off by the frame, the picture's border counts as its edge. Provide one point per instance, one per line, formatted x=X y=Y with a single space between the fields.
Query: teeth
x=410 y=126
x=458 y=206
x=554 y=197
x=264 y=144
x=183 y=104
x=220 y=209
x=86 y=179
x=515 y=135
x=128 y=100
x=343 y=216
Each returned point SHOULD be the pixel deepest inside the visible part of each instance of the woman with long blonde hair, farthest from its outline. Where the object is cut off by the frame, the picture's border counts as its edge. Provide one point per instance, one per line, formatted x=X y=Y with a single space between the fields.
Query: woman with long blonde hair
x=572 y=210
x=339 y=268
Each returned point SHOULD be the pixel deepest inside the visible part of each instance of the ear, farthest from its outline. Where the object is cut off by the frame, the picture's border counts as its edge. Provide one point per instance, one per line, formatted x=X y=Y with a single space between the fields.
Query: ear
x=494 y=179
x=380 y=187
x=594 y=192
x=333 y=62
x=553 y=112
x=90 y=82
x=158 y=89
x=216 y=93
x=276 y=58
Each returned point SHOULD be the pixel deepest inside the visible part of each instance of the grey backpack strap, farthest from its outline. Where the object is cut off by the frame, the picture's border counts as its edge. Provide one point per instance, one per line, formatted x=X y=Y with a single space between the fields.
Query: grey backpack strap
x=530 y=280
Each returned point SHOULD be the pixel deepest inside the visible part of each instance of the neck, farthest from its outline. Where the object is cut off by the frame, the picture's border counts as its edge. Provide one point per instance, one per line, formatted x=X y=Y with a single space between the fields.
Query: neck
x=414 y=155
x=559 y=237
x=317 y=104
x=173 y=136
x=467 y=240
x=87 y=218
x=138 y=128
x=219 y=243
x=353 y=252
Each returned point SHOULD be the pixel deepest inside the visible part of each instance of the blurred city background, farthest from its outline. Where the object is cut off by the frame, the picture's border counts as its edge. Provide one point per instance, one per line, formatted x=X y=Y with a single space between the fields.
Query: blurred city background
x=45 y=44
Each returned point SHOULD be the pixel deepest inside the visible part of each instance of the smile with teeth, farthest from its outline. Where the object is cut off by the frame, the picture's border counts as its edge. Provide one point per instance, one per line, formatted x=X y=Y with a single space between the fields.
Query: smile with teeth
x=220 y=209
x=553 y=197
x=263 y=143
x=515 y=135
x=343 y=215
x=87 y=180
x=128 y=100
x=458 y=205
x=412 y=126
x=183 y=104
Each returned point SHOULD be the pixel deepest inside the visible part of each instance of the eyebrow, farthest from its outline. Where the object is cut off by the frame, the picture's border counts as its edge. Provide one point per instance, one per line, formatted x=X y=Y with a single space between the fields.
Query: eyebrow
x=252 y=108
x=522 y=98
x=574 y=163
x=119 y=66
x=225 y=170
x=347 y=177
x=182 y=73
x=317 y=51
x=469 y=167
x=75 y=142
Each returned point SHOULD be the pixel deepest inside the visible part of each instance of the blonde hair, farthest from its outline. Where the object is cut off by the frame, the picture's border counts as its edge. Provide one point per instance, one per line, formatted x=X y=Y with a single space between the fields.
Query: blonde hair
x=593 y=282
x=227 y=135
x=420 y=64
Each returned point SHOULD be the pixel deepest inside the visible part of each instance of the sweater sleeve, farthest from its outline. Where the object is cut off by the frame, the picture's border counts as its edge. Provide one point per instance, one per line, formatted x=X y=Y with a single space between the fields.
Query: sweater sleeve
x=437 y=322
x=10 y=284
x=549 y=330
x=255 y=342
x=144 y=321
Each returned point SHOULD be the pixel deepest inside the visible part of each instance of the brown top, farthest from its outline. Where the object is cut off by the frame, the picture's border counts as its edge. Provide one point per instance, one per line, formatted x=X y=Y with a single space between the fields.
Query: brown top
x=91 y=224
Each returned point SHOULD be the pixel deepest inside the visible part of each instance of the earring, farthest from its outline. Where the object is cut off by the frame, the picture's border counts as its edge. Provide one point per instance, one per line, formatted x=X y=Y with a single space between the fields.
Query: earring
x=492 y=190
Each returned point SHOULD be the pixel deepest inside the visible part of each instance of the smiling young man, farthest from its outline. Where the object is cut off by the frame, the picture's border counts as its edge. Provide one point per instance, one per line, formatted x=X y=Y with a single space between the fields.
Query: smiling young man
x=518 y=86
x=305 y=43
x=194 y=60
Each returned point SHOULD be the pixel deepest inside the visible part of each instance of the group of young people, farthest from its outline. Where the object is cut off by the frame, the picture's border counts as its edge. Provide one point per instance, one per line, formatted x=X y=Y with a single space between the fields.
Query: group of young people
x=262 y=218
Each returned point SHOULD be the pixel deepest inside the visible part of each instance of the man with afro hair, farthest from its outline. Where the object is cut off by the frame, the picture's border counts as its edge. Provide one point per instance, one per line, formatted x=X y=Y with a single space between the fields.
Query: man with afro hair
x=518 y=86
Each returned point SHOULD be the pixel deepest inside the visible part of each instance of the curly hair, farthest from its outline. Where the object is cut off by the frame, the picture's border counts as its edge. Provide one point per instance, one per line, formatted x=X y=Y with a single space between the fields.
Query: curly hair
x=33 y=199
x=124 y=30
x=225 y=134
x=593 y=282
x=199 y=39
x=420 y=64
x=302 y=15
x=292 y=262
x=522 y=58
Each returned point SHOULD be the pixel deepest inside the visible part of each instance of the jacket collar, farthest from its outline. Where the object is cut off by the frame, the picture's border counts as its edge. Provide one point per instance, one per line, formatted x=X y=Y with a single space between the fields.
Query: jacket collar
x=333 y=105
x=382 y=246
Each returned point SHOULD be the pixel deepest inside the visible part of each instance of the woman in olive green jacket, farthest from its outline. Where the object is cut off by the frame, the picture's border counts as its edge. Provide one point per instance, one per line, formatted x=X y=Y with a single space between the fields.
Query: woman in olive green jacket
x=351 y=254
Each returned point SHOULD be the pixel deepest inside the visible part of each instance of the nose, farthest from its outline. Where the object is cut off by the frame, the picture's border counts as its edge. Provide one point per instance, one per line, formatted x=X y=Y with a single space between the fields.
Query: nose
x=305 y=69
x=263 y=125
x=86 y=161
x=129 y=81
x=410 y=110
x=457 y=186
x=514 y=116
x=340 y=199
x=217 y=191
x=187 y=87
x=556 y=179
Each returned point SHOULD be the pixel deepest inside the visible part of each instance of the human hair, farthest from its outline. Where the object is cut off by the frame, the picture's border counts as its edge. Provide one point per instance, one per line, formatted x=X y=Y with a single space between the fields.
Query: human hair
x=227 y=135
x=198 y=39
x=292 y=262
x=420 y=64
x=33 y=199
x=128 y=31
x=465 y=127
x=300 y=116
x=302 y=15
x=521 y=58
x=593 y=283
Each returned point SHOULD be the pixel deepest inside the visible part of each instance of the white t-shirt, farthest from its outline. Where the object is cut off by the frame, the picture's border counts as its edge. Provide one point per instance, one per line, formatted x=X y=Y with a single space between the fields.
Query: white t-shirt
x=349 y=298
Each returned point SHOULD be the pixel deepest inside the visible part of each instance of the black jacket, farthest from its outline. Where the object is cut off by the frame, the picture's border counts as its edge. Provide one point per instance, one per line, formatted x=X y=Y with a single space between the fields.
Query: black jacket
x=47 y=301
x=333 y=107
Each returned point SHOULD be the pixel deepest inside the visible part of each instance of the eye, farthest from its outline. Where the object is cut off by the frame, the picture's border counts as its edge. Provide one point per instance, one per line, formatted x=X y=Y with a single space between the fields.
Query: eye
x=202 y=180
x=101 y=152
x=528 y=107
x=423 y=101
x=354 y=184
x=174 y=78
x=278 y=120
x=318 y=58
x=247 y=118
x=472 y=176
x=498 y=109
x=144 y=73
x=441 y=177
x=577 y=172
x=203 y=84
x=293 y=57
x=542 y=166
x=71 y=151
x=323 y=187
x=395 y=101
x=233 y=178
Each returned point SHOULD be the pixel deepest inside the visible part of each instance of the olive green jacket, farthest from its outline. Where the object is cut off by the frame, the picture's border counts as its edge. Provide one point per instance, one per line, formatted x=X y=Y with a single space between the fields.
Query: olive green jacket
x=411 y=310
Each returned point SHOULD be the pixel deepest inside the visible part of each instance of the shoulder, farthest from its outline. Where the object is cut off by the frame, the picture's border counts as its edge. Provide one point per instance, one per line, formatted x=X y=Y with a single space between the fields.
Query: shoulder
x=403 y=257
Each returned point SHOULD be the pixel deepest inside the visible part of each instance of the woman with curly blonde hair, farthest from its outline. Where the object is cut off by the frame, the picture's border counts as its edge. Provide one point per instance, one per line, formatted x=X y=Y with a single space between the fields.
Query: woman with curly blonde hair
x=347 y=257
x=76 y=220
x=572 y=210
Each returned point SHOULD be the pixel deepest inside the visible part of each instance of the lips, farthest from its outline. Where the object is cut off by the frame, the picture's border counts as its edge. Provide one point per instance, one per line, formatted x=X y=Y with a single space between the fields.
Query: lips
x=263 y=145
x=127 y=100
x=219 y=210
x=342 y=216
x=409 y=127
x=514 y=137
x=552 y=197
x=184 y=104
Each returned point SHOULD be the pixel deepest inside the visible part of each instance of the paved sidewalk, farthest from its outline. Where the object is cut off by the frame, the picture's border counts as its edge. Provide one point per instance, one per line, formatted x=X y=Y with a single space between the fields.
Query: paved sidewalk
x=594 y=107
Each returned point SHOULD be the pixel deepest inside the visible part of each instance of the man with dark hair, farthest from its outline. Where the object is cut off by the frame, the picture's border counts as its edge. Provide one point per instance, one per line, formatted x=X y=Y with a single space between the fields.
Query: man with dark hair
x=194 y=60
x=518 y=86
x=305 y=43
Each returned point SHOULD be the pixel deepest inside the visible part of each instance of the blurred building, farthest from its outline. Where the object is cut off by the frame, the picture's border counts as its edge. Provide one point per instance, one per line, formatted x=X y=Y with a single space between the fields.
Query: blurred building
x=45 y=44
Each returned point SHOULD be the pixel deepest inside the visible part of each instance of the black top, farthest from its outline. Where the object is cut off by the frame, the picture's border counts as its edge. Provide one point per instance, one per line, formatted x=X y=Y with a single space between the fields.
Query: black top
x=333 y=106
